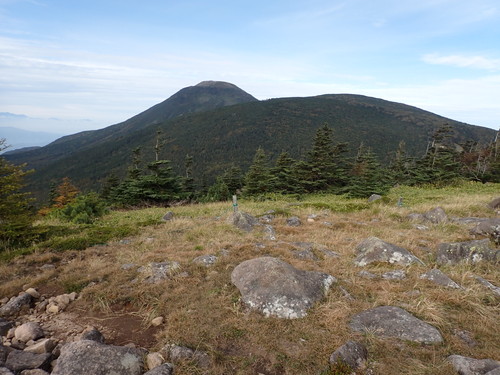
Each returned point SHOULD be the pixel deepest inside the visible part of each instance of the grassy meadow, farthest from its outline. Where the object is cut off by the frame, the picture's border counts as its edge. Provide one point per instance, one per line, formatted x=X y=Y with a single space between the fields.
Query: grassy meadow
x=202 y=308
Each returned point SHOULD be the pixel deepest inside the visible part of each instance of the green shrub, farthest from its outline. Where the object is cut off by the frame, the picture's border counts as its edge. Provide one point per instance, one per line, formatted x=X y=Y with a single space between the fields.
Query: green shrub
x=83 y=210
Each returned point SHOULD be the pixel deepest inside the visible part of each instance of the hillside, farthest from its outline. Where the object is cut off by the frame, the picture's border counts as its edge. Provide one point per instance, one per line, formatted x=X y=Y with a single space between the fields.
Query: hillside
x=230 y=134
x=171 y=284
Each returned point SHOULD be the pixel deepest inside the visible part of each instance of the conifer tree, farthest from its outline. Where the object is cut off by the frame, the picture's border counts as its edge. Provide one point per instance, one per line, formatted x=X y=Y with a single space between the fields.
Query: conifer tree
x=233 y=178
x=367 y=175
x=15 y=214
x=111 y=183
x=219 y=191
x=285 y=179
x=326 y=166
x=258 y=178
x=402 y=167
x=66 y=193
x=440 y=164
x=188 y=180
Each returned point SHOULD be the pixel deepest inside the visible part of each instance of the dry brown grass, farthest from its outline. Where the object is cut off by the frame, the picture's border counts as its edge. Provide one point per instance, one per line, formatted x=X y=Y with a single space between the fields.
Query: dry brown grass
x=202 y=308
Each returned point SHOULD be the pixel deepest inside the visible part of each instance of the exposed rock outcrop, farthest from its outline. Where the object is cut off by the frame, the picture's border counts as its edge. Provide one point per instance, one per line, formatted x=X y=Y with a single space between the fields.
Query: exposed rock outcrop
x=275 y=288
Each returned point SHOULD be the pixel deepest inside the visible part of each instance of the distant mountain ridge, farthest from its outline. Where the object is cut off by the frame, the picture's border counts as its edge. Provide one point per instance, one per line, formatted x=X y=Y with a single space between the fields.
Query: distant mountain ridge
x=221 y=125
x=20 y=138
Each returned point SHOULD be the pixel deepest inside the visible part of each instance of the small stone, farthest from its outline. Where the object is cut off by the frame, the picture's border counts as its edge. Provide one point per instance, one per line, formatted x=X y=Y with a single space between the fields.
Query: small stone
x=329 y=253
x=352 y=353
x=304 y=254
x=154 y=360
x=52 y=308
x=28 y=331
x=73 y=296
x=42 y=346
x=158 y=321
x=5 y=326
x=46 y=267
x=243 y=221
x=420 y=227
x=436 y=216
x=439 y=278
x=164 y=369
x=168 y=216
x=495 y=289
x=293 y=221
x=374 y=197
x=5 y=371
x=472 y=366
x=205 y=260
x=62 y=301
x=36 y=371
x=367 y=275
x=128 y=266
x=466 y=337
x=269 y=233
x=92 y=334
x=16 y=305
x=33 y=293
x=394 y=275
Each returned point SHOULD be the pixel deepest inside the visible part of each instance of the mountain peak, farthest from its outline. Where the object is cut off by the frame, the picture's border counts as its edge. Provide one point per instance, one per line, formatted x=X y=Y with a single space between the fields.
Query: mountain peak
x=217 y=84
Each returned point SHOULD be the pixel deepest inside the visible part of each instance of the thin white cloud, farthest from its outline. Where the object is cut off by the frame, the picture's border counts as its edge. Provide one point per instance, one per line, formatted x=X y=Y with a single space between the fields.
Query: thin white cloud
x=461 y=61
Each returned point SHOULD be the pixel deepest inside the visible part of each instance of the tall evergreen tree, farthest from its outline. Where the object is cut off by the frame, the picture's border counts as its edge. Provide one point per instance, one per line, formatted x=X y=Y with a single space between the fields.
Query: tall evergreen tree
x=284 y=177
x=326 y=165
x=188 y=180
x=440 y=163
x=402 y=167
x=15 y=214
x=233 y=178
x=258 y=178
x=367 y=175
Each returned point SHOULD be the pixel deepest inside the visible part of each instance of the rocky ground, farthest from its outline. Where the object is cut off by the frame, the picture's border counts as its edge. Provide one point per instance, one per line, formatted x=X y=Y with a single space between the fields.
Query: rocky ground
x=46 y=331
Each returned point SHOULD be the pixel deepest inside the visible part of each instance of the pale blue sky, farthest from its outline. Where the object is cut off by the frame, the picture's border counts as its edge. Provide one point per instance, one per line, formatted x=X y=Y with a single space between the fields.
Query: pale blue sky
x=105 y=60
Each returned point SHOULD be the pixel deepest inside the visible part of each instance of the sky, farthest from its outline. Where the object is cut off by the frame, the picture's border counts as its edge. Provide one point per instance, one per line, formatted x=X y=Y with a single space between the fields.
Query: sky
x=68 y=66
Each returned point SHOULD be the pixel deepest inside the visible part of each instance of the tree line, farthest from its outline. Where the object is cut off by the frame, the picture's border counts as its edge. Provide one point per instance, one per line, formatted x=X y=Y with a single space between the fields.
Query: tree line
x=325 y=167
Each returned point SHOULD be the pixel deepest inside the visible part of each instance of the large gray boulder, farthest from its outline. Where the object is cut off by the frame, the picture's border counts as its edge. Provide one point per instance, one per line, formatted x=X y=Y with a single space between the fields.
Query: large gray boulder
x=275 y=288
x=392 y=321
x=468 y=252
x=438 y=277
x=472 y=366
x=86 y=357
x=19 y=360
x=374 y=249
x=16 y=305
x=243 y=221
